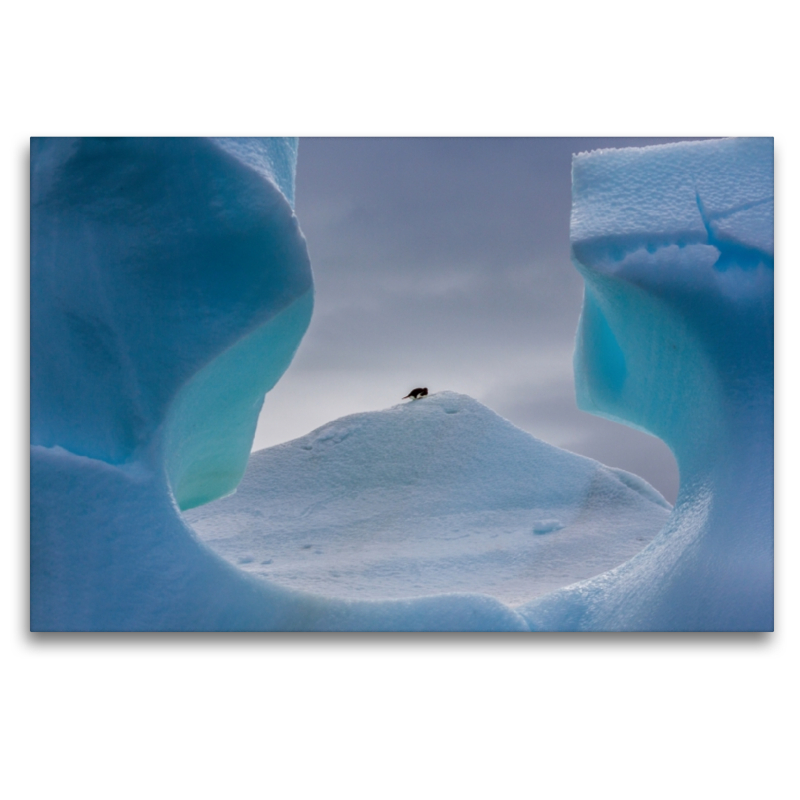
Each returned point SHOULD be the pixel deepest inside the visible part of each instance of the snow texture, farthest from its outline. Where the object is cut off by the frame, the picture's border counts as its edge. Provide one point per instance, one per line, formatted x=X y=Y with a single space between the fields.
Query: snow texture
x=170 y=287
x=430 y=496
x=109 y=552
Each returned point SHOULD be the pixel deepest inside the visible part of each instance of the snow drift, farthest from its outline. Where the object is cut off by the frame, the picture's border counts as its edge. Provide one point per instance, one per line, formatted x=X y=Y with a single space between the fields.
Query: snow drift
x=432 y=496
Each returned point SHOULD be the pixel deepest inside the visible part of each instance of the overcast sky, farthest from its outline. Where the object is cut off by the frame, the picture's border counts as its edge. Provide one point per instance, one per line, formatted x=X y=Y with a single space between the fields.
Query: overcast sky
x=445 y=263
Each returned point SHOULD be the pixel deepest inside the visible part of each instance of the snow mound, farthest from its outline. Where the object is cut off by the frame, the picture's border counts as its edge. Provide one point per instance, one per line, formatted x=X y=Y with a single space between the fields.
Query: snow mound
x=432 y=496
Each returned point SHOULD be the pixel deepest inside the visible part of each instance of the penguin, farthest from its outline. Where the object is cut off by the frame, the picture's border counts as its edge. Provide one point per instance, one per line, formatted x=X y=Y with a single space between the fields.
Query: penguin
x=415 y=394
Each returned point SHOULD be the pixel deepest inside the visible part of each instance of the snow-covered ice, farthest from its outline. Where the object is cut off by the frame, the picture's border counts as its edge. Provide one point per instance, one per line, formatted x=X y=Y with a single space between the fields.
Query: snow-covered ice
x=431 y=496
x=170 y=287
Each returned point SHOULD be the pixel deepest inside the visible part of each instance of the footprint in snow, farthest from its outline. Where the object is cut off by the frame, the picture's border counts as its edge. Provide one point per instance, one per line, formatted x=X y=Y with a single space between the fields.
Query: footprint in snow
x=547 y=526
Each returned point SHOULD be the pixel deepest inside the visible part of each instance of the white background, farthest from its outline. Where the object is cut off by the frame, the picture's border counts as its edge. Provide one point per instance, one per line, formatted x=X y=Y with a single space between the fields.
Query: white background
x=639 y=716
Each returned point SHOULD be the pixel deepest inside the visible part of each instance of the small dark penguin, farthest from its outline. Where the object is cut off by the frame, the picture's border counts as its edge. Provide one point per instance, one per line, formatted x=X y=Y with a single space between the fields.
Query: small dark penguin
x=415 y=394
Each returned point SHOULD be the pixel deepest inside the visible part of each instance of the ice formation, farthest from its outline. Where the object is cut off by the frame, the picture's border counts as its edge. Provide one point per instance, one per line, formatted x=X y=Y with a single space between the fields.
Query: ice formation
x=170 y=287
x=435 y=496
x=675 y=244
x=162 y=271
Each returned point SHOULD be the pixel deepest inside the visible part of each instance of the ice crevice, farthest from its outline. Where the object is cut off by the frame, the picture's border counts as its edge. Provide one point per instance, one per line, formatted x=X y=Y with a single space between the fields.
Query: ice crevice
x=732 y=253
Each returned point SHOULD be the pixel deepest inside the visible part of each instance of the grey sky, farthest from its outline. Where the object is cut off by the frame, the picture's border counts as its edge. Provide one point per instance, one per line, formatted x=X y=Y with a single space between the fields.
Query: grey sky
x=445 y=263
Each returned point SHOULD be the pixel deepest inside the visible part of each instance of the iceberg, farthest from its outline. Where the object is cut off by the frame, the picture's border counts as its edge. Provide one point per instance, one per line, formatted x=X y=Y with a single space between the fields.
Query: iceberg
x=170 y=288
x=675 y=245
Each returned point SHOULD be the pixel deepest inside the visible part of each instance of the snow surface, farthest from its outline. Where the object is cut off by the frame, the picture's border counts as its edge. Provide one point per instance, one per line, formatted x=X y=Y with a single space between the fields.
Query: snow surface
x=170 y=287
x=109 y=552
x=431 y=496
x=687 y=193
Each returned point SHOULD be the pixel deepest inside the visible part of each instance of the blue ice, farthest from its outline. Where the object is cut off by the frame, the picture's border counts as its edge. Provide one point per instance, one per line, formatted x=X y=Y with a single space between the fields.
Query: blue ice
x=675 y=245
x=171 y=286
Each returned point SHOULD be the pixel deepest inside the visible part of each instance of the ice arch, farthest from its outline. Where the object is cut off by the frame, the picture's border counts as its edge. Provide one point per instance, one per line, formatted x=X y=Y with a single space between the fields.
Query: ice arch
x=161 y=270
x=675 y=244
x=170 y=287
